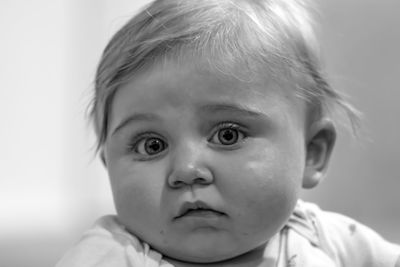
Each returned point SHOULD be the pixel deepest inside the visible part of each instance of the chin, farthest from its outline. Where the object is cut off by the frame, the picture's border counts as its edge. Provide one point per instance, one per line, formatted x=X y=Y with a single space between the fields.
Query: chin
x=201 y=254
x=200 y=258
x=209 y=254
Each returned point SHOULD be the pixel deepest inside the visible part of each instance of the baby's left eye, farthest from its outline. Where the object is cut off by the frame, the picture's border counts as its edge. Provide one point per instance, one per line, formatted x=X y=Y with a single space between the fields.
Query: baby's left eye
x=227 y=136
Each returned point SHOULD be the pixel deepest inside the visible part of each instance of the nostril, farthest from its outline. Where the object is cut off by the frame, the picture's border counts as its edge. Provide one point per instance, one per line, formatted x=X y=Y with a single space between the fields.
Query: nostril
x=189 y=176
x=177 y=183
x=200 y=180
x=182 y=183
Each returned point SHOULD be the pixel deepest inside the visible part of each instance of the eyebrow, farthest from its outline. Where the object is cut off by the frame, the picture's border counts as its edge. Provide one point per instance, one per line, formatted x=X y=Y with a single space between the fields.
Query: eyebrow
x=136 y=117
x=234 y=109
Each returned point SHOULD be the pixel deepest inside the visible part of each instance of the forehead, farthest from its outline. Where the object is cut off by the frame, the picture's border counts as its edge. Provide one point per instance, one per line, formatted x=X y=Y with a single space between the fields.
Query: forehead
x=186 y=81
x=186 y=87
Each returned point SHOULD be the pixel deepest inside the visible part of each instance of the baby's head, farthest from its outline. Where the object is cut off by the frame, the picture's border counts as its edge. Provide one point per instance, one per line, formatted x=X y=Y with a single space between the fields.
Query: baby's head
x=211 y=116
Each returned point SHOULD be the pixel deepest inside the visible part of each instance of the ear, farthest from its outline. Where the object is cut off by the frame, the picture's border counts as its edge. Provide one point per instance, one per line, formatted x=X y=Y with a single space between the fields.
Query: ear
x=320 y=142
x=103 y=157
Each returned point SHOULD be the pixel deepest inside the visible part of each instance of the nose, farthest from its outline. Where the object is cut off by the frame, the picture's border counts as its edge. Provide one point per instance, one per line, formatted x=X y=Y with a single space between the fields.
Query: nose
x=188 y=166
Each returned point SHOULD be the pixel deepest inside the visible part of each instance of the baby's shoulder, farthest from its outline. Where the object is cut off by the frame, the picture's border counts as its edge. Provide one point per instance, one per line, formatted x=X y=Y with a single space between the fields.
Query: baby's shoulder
x=108 y=243
x=349 y=241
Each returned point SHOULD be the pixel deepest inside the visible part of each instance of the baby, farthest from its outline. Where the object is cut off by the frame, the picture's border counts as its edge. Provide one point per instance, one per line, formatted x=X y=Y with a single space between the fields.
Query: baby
x=211 y=116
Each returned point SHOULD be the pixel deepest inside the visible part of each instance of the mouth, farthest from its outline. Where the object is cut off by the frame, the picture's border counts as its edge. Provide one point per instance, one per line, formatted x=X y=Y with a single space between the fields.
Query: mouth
x=198 y=209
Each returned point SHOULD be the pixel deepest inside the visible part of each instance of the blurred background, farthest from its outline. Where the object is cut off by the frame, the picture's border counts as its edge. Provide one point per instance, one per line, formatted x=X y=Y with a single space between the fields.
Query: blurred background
x=52 y=187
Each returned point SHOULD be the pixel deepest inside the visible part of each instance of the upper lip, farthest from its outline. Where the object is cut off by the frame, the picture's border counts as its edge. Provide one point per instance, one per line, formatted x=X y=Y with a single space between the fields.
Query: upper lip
x=196 y=205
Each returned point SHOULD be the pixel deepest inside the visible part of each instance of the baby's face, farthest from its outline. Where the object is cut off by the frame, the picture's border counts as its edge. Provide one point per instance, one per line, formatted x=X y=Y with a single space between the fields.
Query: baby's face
x=204 y=167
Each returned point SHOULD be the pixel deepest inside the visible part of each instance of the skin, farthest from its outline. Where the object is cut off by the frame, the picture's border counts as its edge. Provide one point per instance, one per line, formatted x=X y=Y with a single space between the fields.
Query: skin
x=179 y=134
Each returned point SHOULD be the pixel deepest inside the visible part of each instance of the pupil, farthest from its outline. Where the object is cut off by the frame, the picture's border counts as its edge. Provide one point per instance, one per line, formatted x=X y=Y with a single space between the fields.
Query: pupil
x=153 y=146
x=228 y=136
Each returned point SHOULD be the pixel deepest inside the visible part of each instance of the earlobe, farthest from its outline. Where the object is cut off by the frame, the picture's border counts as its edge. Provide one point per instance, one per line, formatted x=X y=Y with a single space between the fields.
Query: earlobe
x=320 y=142
x=103 y=157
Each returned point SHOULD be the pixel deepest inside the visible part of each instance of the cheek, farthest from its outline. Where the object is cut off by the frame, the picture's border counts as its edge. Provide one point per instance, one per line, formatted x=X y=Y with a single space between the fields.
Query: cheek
x=262 y=170
x=265 y=186
x=136 y=191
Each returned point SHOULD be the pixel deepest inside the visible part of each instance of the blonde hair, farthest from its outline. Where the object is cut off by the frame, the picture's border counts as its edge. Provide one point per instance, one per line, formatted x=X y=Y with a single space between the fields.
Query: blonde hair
x=271 y=36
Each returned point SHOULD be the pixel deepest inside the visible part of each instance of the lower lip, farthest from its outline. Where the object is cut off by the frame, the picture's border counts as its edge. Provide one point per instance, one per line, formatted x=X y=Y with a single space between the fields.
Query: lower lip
x=202 y=214
x=203 y=220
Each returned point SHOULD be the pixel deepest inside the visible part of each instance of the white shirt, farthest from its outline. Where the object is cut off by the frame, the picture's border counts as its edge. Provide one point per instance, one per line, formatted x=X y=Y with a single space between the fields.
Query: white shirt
x=310 y=238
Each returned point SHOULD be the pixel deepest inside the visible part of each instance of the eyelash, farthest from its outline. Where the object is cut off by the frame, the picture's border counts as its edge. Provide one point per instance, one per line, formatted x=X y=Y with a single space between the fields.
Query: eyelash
x=238 y=129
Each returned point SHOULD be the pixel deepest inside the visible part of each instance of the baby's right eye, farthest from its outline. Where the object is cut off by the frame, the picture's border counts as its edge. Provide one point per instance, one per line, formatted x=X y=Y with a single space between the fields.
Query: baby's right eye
x=148 y=146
